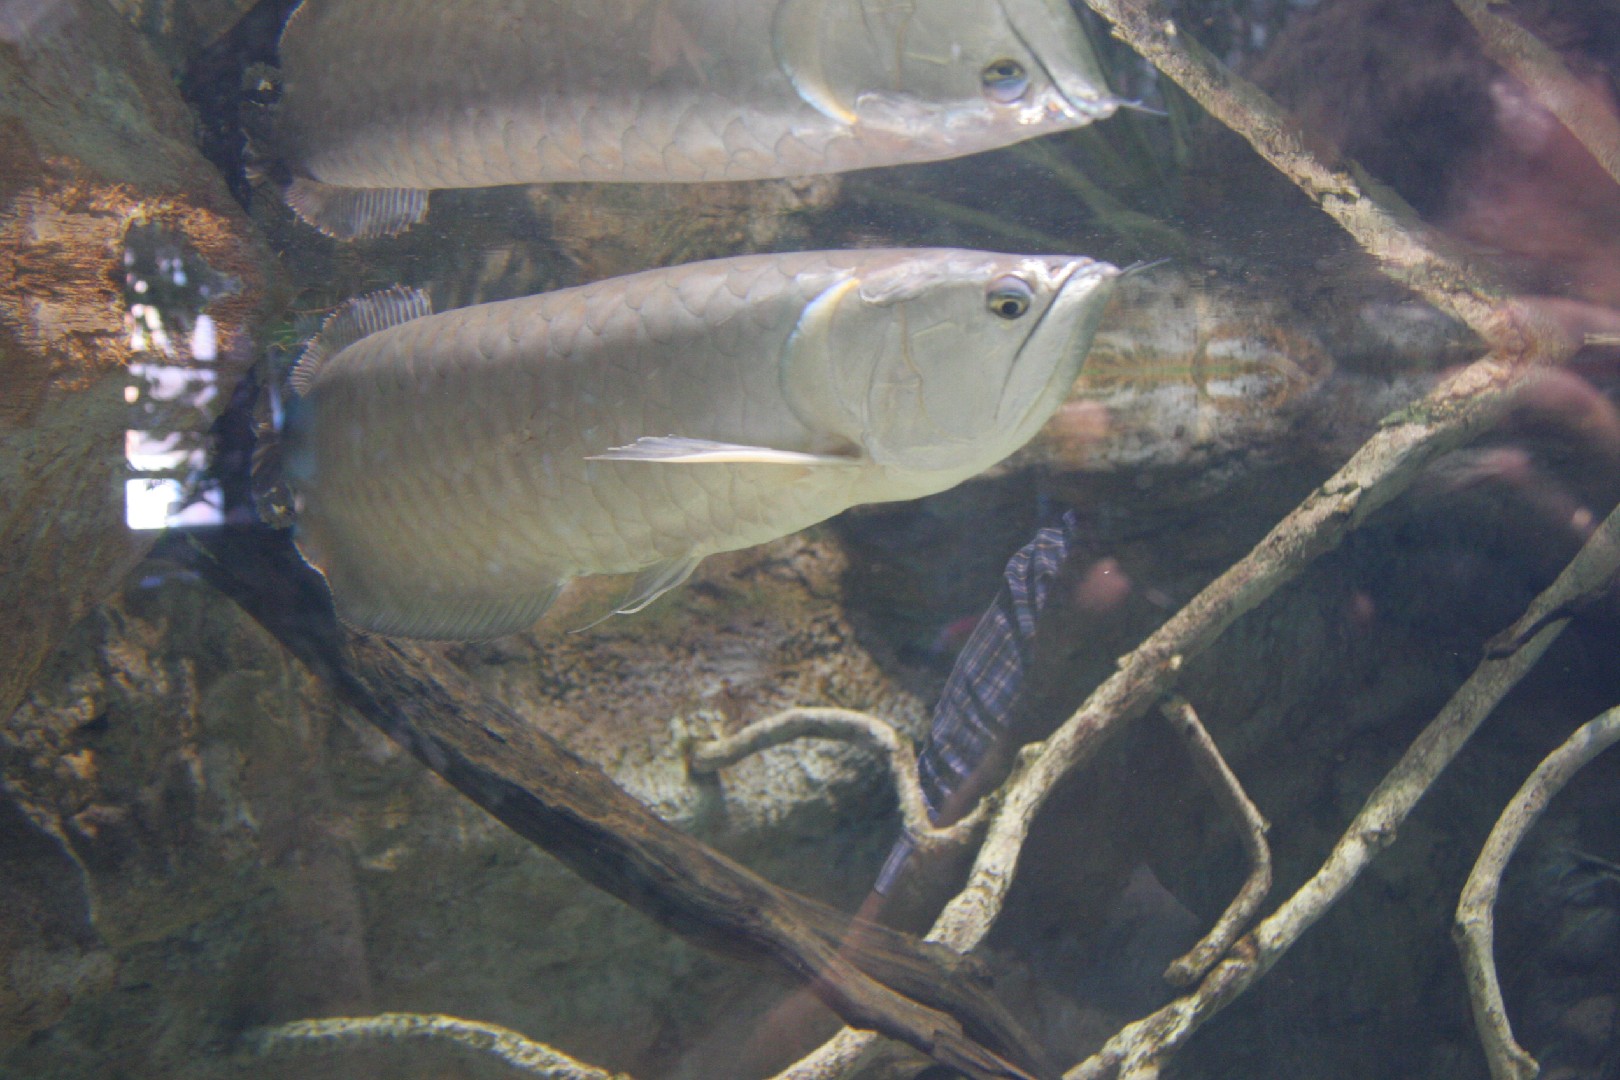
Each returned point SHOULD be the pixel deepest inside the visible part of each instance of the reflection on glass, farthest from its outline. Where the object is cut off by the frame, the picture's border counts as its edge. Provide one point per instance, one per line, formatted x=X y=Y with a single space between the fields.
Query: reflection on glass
x=172 y=382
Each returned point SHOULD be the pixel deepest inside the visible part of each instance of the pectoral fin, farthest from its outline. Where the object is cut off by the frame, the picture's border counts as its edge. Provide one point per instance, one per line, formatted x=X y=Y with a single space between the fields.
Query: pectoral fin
x=649 y=585
x=654 y=582
x=674 y=450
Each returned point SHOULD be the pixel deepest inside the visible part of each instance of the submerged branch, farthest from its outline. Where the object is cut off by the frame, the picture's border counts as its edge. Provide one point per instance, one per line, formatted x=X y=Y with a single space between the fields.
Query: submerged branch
x=1375 y=217
x=1139 y=1048
x=845 y=725
x=1251 y=826
x=337 y=1032
x=1582 y=108
x=1460 y=408
x=1475 y=926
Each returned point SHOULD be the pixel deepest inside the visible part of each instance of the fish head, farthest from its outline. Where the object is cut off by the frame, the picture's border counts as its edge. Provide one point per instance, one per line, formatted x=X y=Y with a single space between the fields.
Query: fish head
x=953 y=76
x=943 y=360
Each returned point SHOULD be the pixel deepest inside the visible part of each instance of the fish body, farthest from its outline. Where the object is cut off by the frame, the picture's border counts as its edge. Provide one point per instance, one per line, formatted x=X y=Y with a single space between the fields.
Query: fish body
x=451 y=472
x=384 y=99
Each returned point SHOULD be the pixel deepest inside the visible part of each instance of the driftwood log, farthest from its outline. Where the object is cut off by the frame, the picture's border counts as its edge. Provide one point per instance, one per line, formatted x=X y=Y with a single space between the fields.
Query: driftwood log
x=923 y=994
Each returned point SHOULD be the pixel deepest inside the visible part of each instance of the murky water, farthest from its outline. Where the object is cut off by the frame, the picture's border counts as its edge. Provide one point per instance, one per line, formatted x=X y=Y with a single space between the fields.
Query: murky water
x=360 y=708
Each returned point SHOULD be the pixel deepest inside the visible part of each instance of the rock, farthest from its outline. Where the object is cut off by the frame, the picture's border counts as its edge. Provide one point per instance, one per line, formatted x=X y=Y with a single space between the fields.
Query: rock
x=93 y=142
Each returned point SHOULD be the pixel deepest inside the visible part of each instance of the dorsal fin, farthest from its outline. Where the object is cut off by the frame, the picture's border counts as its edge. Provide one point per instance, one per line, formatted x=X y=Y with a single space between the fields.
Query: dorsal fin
x=356 y=319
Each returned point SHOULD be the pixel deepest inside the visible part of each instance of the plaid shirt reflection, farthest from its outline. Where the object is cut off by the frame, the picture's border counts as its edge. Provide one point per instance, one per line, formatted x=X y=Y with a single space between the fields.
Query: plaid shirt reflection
x=988 y=679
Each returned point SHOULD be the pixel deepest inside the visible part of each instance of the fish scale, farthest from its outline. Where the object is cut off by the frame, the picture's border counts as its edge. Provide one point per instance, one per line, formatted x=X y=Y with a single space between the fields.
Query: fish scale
x=385 y=99
x=455 y=470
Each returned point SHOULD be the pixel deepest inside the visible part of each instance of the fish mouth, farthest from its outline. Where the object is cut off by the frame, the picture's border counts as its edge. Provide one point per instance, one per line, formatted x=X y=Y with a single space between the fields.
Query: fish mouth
x=1075 y=281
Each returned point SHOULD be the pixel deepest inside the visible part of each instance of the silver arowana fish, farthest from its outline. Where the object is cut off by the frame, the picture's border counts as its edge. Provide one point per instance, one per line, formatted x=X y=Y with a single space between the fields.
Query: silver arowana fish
x=451 y=472
x=383 y=99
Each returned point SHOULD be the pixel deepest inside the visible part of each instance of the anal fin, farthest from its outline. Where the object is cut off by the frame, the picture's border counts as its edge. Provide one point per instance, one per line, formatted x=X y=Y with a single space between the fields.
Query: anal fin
x=348 y=213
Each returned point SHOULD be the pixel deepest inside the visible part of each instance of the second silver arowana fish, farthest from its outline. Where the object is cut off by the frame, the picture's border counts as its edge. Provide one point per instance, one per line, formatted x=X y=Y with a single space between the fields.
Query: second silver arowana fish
x=384 y=99
x=451 y=472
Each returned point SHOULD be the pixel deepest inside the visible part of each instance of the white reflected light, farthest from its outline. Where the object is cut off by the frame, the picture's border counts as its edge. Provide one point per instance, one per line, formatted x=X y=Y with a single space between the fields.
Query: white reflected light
x=150 y=452
x=147 y=502
x=166 y=382
x=173 y=383
x=204 y=339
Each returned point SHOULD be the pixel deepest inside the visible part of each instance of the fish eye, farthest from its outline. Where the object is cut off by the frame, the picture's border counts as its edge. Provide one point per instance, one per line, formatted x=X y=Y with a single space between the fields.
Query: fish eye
x=1005 y=81
x=1009 y=297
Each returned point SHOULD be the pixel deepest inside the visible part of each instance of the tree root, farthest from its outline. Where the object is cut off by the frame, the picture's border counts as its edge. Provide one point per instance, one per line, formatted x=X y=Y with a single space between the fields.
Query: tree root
x=890 y=989
x=1524 y=340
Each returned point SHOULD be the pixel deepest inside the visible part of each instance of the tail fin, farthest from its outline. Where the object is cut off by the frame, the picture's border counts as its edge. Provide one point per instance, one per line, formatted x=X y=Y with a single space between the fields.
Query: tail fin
x=347 y=213
x=344 y=213
x=277 y=411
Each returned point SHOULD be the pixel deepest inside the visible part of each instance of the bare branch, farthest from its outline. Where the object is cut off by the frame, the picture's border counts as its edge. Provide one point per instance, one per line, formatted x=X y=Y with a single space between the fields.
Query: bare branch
x=1376 y=217
x=520 y=1052
x=846 y=725
x=1583 y=109
x=1461 y=407
x=1475 y=927
x=1138 y=1049
x=1251 y=826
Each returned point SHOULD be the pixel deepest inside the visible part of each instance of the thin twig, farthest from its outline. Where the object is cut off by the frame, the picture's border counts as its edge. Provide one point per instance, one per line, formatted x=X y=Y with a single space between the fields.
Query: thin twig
x=1475 y=927
x=845 y=725
x=833 y=1059
x=1251 y=827
x=337 y=1032
x=1138 y=1049
x=1584 y=110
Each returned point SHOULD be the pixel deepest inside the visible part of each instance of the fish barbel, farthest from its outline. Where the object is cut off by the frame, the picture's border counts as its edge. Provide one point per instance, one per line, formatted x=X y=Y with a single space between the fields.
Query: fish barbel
x=451 y=472
x=384 y=99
